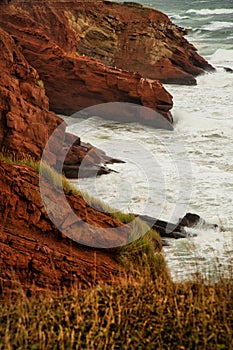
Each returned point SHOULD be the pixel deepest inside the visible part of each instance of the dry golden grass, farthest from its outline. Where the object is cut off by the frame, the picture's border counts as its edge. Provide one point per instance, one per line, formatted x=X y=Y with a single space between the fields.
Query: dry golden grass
x=144 y=311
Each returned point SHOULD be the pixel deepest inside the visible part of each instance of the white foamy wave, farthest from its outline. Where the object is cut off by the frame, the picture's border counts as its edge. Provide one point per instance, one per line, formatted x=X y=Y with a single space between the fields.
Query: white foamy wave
x=201 y=255
x=178 y=17
x=222 y=56
x=207 y=12
x=196 y=124
x=217 y=25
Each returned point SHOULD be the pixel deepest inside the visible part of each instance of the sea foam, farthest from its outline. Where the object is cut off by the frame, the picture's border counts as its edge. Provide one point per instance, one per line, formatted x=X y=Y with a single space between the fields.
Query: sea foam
x=207 y=12
x=216 y=25
x=222 y=55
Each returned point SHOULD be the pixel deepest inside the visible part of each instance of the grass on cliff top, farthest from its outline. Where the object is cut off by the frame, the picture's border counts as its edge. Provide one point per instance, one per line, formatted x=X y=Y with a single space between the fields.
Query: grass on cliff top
x=49 y=173
x=11 y=158
x=139 y=312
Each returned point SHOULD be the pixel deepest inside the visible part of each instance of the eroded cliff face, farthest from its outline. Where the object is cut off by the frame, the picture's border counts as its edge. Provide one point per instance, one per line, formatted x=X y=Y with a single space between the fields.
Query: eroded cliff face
x=133 y=38
x=26 y=122
x=73 y=82
x=31 y=246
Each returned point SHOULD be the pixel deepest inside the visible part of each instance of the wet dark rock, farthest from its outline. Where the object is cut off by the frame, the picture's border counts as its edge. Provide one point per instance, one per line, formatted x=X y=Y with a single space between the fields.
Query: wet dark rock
x=177 y=231
x=228 y=69
x=164 y=228
x=192 y=220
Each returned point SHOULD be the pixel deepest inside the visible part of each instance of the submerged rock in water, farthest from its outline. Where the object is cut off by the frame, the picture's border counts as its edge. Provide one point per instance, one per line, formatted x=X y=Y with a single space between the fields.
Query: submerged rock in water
x=192 y=220
x=228 y=69
x=171 y=230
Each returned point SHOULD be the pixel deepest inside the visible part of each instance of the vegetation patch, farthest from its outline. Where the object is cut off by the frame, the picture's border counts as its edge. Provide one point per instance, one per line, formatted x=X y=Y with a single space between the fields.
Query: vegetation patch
x=11 y=158
x=40 y=83
x=140 y=312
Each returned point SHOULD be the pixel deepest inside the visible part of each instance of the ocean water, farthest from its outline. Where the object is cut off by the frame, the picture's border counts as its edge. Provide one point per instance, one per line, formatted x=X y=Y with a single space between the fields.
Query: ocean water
x=167 y=174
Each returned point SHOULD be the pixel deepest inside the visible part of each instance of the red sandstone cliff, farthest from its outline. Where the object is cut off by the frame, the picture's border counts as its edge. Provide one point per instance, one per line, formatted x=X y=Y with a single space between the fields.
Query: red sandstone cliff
x=25 y=119
x=132 y=38
x=48 y=38
x=73 y=83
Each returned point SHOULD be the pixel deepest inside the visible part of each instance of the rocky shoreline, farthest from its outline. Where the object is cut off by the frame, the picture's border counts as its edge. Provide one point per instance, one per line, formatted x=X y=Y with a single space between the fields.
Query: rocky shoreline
x=62 y=58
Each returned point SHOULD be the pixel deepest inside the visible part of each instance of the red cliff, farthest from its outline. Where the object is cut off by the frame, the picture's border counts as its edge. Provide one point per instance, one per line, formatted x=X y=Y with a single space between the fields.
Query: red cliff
x=73 y=82
x=130 y=37
x=25 y=119
x=42 y=67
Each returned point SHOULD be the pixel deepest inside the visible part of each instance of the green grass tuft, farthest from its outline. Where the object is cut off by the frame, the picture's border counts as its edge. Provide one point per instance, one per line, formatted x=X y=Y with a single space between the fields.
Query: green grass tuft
x=11 y=158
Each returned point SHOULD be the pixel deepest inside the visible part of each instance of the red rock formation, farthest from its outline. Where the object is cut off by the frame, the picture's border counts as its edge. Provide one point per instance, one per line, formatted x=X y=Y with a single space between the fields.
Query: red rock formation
x=31 y=246
x=25 y=120
x=73 y=83
x=132 y=38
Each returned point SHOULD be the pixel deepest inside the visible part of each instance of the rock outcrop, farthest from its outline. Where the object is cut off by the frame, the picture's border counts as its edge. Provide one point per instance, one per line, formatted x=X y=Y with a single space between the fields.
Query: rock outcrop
x=73 y=82
x=194 y=220
x=30 y=260
x=133 y=38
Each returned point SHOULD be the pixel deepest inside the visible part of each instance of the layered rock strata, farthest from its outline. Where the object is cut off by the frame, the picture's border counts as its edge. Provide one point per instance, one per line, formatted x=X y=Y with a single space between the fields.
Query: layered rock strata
x=72 y=81
x=130 y=37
